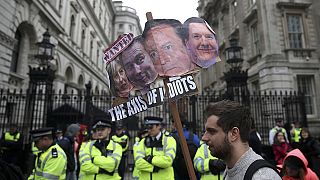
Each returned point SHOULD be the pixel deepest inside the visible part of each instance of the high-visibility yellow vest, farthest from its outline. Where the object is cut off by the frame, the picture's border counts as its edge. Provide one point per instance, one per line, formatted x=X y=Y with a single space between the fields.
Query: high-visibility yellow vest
x=124 y=139
x=296 y=135
x=162 y=157
x=201 y=163
x=9 y=137
x=51 y=164
x=91 y=160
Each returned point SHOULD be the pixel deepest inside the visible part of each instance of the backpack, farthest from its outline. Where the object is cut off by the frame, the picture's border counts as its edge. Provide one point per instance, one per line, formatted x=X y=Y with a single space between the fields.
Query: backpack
x=255 y=166
x=179 y=162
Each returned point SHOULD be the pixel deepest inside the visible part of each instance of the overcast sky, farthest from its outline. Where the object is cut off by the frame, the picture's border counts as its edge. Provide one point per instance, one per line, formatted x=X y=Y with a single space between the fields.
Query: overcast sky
x=164 y=9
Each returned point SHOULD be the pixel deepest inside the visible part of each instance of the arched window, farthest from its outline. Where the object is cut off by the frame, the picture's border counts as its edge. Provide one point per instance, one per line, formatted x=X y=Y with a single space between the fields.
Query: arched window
x=15 y=52
x=91 y=49
x=83 y=38
x=72 y=26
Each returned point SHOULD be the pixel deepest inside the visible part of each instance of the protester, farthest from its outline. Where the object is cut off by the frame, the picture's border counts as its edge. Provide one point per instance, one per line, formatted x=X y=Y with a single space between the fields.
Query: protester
x=227 y=133
x=155 y=153
x=200 y=41
x=193 y=142
x=100 y=158
x=138 y=65
x=51 y=162
x=310 y=147
x=164 y=43
x=280 y=147
x=67 y=144
x=278 y=127
x=295 y=167
x=11 y=144
x=120 y=86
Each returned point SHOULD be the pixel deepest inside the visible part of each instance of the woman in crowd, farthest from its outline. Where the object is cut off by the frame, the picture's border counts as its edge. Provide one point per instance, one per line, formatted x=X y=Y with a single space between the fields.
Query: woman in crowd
x=311 y=149
x=280 y=147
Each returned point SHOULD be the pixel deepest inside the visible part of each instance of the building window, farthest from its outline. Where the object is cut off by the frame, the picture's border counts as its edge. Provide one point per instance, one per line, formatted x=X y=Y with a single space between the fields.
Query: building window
x=255 y=39
x=83 y=38
x=130 y=27
x=295 y=31
x=306 y=85
x=72 y=26
x=60 y=6
x=15 y=52
x=120 y=26
x=91 y=48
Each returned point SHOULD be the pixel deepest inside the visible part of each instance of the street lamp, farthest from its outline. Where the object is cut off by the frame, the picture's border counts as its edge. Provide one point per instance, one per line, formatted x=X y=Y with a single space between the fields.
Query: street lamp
x=45 y=50
x=236 y=78
x=234 y=55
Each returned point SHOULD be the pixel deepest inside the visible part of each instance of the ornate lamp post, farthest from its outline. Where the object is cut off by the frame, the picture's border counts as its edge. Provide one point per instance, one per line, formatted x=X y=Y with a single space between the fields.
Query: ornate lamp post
x=236 y=78
x=40 y=85
x=45 y=50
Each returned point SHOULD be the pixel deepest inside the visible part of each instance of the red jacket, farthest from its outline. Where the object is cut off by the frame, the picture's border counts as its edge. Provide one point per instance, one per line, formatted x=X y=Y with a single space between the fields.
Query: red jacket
x=280 y=151
x=310 y=175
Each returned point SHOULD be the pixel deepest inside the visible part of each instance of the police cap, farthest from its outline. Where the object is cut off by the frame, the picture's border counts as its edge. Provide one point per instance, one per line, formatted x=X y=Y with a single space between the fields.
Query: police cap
x=38 y=133
x=150 y=120
x=102 y=123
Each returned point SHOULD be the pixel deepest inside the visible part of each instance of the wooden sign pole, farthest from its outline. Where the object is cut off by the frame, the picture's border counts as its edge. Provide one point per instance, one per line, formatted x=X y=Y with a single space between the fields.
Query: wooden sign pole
x=178 y=125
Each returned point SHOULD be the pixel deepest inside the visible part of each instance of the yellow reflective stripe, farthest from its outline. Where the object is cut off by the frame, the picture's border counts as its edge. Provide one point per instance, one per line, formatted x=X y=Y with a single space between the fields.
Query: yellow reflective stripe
x=50 y=176
x=47 y=175
x=116 y=155
x=116 y=162
x=85 y=160
x=201 y=161
x=83 y=155
x=165 y=142
x=206 y=155
x=167 y=154
x=139 y=157
x=169 y=149
x=141 y=152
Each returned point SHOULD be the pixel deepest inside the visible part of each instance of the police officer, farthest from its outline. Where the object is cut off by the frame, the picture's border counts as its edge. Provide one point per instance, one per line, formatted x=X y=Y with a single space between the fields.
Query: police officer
x=11 y=145
x=155 y=153
x=208 y=166
x=100 y=158
x=123 y=139
x=51 y=162
x=141 y=134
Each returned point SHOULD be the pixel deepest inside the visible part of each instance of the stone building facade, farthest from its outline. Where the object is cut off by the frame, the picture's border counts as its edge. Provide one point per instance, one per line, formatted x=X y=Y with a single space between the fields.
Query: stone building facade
x=80 y=31
x=281 y=46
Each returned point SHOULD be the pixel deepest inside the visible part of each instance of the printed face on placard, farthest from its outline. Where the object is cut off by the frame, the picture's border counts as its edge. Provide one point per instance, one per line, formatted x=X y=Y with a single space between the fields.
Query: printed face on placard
x=138 y=65
x=166 y=48
x=201 y=42
x=120 y=86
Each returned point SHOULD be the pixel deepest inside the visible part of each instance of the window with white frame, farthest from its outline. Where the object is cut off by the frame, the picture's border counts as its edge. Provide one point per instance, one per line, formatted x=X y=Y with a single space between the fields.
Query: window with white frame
x=295 y=31
x=306 y=85
x=255 y=39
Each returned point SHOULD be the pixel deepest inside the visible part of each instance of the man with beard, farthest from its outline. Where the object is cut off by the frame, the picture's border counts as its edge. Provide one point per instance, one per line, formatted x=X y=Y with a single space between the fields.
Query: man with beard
x=200 y=41
x=227 y=133
x=138 y=65
x=164 y=43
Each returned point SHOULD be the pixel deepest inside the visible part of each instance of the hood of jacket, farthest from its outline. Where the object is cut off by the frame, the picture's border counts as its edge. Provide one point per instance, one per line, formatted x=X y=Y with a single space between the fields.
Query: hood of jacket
x=297 y=153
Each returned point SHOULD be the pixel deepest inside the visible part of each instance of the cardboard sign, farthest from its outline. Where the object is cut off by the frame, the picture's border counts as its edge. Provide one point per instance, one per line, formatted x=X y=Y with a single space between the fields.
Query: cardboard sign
x=177 y=87
x=117 y=47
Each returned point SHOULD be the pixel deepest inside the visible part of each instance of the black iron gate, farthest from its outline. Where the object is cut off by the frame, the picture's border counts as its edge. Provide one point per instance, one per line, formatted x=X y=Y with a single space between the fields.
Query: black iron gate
x=84 y=107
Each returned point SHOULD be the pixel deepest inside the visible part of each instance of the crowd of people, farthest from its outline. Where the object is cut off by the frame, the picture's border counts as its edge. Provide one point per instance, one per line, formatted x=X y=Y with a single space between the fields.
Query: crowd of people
x=224 y=151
